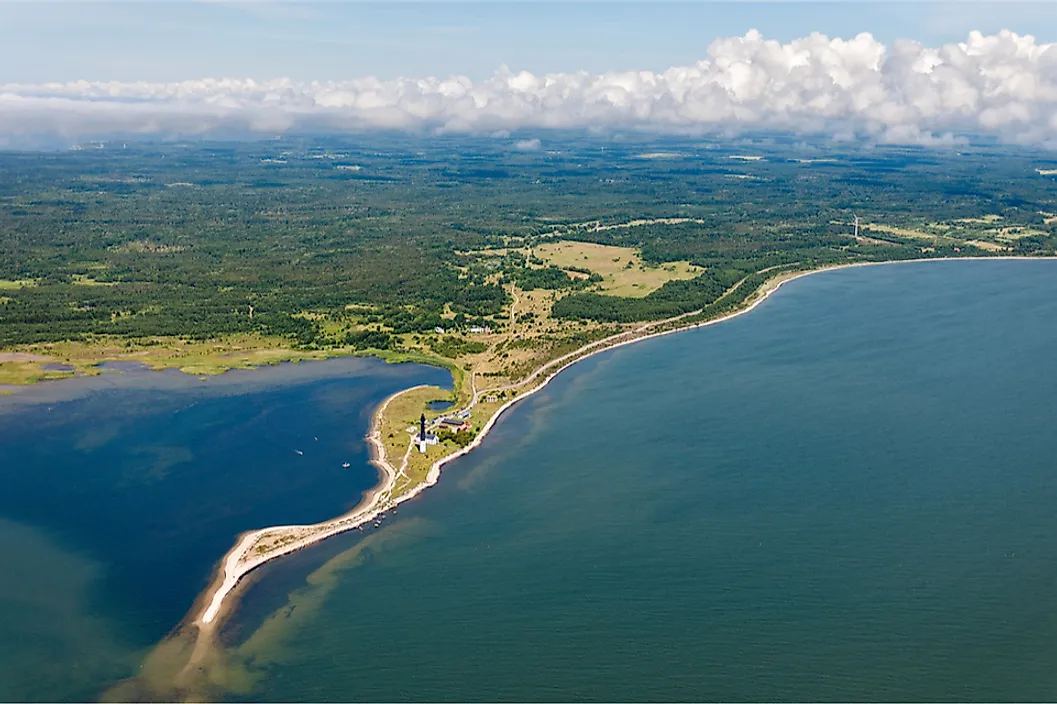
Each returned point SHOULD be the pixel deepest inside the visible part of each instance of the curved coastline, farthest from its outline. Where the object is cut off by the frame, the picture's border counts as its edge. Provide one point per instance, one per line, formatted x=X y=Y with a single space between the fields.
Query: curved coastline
x=231 y=571
x=215 y=601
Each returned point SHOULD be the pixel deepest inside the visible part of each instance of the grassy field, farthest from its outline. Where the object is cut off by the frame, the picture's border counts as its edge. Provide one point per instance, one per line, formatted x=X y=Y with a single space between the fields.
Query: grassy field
x=82 y=280
x=622 y=268
x=28 y=372
x=400 y=424
x=11 y=285
x=924 y=233
x=968 y=231
x=403 y=411
x=200 y=358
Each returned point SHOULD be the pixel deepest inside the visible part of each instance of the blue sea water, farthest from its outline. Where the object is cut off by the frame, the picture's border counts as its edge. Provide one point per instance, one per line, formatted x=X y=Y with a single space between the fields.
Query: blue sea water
x=847 y=494
x=121 y=492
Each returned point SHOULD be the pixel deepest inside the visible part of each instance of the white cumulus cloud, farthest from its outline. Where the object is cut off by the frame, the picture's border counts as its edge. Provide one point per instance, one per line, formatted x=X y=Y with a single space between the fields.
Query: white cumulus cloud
x=527 y=145
x=1003 y=85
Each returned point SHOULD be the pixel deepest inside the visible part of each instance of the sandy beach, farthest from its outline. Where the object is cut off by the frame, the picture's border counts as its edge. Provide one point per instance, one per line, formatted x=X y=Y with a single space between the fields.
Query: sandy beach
x=239 y=561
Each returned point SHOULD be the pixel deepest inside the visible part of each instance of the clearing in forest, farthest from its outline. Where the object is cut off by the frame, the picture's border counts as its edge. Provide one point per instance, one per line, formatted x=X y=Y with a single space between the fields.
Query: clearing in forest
x=622 y=268
x=978 y=232
x=10 y=285
x=905 y=231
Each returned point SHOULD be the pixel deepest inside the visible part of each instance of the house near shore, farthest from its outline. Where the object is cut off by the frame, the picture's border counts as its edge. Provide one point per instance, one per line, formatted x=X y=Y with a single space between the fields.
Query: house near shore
x=478 y=330
x=454 y=425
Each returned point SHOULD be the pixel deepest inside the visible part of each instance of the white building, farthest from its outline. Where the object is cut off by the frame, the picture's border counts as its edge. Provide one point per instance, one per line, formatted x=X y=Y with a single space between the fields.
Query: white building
x=429 y=440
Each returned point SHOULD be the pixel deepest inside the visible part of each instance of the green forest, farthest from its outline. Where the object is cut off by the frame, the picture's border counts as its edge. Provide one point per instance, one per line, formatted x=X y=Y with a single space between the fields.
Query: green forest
x=313 y=239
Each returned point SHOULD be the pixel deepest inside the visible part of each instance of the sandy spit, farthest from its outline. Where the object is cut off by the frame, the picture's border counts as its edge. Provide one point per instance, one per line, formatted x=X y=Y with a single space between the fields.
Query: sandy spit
x=233 y=568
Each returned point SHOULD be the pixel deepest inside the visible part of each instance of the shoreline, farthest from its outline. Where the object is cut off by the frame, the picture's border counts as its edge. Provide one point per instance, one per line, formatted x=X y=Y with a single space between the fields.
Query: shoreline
x=213 y=604
x=230 y=572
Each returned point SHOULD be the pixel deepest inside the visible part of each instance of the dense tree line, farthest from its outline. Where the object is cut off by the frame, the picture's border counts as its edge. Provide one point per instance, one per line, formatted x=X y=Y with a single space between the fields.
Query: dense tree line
x=368 y=339
x=454 y=347
x=547 y=277
x=187 y=237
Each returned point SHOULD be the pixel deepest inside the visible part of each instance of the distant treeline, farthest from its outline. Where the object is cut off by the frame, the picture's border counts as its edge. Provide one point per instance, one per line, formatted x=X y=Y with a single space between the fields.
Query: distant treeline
x=183 y=239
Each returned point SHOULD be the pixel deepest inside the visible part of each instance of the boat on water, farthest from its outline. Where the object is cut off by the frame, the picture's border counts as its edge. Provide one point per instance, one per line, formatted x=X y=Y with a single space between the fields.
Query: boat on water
x=346 y=465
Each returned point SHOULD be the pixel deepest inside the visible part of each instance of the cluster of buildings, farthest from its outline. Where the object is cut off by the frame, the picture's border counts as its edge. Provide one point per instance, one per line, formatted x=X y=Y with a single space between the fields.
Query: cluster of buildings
x=453 y=425
x=457 y=424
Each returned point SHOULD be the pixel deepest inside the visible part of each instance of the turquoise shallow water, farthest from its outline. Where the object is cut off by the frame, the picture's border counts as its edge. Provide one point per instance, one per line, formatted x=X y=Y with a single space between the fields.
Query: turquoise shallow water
x=847 y=494
x=120 y=493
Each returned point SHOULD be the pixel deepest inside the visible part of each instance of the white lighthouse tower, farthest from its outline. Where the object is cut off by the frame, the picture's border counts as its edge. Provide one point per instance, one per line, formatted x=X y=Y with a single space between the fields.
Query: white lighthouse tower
x=424 y=438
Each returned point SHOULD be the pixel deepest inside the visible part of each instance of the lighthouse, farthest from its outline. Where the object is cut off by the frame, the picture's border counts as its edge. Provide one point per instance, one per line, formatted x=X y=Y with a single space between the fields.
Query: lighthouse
x=422 y=439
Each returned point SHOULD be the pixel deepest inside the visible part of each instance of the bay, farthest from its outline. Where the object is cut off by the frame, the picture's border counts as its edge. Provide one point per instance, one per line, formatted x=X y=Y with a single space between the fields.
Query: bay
x=121 y=492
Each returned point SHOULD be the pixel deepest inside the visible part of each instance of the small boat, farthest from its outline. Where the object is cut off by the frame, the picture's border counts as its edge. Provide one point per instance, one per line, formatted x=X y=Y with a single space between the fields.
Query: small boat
x=299 y=452
x=346 y=465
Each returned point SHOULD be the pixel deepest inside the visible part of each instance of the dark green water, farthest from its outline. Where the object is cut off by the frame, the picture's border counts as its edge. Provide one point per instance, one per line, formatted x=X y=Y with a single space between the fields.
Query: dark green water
x=850 y=493
x=120 y=492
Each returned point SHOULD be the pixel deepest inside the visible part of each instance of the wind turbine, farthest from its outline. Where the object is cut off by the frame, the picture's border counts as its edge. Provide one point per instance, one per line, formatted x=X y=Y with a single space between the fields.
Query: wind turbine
x=856 y=226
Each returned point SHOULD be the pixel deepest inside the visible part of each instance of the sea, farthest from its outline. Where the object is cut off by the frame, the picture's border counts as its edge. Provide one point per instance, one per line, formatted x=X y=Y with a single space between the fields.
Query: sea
x=846 y=494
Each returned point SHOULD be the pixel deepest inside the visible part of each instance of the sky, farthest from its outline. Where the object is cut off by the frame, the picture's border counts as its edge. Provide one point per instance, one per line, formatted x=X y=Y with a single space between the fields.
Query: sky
x=148 y=40
x=907 y=72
